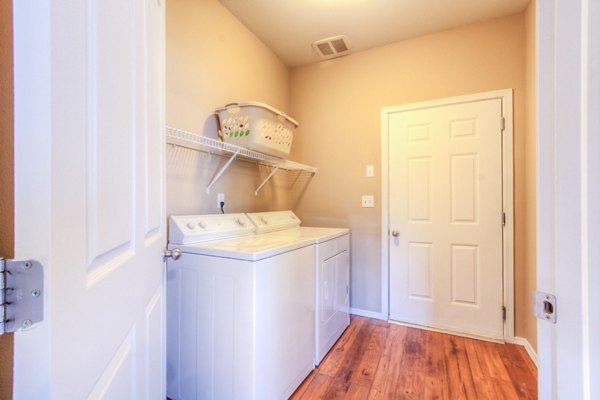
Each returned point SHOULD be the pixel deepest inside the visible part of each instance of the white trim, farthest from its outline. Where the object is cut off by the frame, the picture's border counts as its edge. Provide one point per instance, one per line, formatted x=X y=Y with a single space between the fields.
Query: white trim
x=591 y=278
x=367 y=314
x=506 y=96
x=521 y=341
x=583 y=167
x=32 y=44
x=385 y=216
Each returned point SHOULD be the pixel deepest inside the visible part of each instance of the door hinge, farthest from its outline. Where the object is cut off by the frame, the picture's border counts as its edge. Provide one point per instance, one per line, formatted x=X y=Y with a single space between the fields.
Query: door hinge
x=503 y=218
x=503 y=313
x=502 y=124
x=21 y=296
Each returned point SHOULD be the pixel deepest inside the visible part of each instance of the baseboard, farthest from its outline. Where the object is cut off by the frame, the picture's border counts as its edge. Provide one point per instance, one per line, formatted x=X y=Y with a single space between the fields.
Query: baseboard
x=367 y=313
x=521 y=341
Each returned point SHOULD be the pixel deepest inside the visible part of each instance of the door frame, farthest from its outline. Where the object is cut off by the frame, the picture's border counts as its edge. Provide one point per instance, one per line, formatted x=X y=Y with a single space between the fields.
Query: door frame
x=568 y=201
x=506 y=97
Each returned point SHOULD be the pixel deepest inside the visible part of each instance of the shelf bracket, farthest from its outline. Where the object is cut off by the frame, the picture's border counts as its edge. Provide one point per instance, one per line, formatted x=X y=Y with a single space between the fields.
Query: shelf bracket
x=275 y=169
x=221 y=171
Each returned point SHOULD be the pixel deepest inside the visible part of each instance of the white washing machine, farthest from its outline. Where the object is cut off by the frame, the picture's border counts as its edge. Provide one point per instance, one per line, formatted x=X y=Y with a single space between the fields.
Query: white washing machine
x=240 y=310
x=332 y=272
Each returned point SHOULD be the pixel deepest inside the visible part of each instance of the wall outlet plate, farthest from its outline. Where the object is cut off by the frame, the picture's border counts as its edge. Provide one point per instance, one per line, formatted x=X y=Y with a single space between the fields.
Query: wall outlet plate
x=220 y=198
x=368 y=201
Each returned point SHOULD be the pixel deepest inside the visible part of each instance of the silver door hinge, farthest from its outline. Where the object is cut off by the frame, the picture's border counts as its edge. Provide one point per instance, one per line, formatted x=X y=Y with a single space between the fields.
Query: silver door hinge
x=502 y=124
x=503 y=313
x=21 y=296
x=503 y=218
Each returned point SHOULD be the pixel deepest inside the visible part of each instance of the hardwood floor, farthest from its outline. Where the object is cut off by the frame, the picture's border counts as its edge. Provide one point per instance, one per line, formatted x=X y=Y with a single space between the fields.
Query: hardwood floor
x=378 y=360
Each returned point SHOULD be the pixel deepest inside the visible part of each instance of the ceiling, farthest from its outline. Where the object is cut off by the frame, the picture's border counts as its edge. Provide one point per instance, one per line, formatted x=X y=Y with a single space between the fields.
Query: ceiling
x=289 y=27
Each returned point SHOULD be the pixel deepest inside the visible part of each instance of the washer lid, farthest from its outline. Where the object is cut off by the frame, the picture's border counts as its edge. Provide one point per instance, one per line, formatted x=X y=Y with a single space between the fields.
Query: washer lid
x=185 y=229
x=274 y=221
x=249 y=248
x=316 y=234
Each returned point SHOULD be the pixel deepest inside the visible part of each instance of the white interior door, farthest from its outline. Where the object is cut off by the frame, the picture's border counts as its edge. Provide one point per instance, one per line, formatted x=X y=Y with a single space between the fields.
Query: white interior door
x=568 y=200
x=89 y=196
x=445 y=205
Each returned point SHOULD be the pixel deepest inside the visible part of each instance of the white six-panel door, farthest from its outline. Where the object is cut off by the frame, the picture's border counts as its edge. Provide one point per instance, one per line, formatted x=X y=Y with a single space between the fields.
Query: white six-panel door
x=89 y=196
x=445 y=208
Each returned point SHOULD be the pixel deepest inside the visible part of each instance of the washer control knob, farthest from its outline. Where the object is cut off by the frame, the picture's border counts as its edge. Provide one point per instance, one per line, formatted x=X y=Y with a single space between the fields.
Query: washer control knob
x=191 y=225
x=264 y=220
x=202 y=225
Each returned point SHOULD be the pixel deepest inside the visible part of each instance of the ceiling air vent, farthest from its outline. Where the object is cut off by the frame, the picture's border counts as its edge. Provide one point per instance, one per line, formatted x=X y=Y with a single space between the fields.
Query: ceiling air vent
x=332 y=47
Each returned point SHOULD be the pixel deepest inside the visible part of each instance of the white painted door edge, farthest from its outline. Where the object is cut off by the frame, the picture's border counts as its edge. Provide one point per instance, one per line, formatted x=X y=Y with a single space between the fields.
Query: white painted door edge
x=506 y=96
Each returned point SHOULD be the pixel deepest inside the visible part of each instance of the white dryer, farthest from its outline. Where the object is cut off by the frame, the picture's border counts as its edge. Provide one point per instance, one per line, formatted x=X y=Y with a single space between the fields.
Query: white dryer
x=332 y=272
x=240 y=310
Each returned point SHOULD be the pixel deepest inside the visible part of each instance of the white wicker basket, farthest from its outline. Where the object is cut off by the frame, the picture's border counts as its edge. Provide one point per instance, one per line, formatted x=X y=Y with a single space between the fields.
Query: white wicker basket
x=257 y=126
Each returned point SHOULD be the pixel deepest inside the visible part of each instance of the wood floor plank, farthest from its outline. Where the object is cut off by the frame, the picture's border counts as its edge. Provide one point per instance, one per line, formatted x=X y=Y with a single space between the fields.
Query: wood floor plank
x=349 y=366
x=433 y=389
x=464 y=369
x=388 y=369
x=316 y=389
x=372 y=355
x=524 y=383
x=434 y=350
x=411 y=381
x=375 y=360
x=333 y=361
x=304 y=385
x=483 y=386
x=495 y=365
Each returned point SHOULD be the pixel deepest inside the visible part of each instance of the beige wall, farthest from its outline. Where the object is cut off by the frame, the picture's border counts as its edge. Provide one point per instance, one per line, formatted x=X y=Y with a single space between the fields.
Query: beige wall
x=525 y=287
x=339 y=103
x=212 y=60
x=6 y=177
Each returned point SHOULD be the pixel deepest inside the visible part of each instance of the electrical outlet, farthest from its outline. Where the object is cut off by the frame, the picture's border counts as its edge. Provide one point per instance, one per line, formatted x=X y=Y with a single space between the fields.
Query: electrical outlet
x=220 y=198
x=368 y=201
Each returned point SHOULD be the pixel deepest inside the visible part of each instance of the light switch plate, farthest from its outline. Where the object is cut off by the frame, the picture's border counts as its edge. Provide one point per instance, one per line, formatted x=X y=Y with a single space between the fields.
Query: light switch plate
x=368 y=201
x=369 y=171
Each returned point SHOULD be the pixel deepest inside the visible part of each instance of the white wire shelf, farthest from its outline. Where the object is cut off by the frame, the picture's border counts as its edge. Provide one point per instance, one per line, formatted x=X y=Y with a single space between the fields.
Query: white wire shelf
x=189 y=140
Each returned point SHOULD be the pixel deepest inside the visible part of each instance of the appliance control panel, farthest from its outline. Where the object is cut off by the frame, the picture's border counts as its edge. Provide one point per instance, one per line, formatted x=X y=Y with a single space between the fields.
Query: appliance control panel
x=186 y=229
x=274 y=221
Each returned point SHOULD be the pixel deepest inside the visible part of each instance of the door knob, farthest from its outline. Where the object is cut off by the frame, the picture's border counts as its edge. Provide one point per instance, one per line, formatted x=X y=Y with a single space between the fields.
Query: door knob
x=395 y=233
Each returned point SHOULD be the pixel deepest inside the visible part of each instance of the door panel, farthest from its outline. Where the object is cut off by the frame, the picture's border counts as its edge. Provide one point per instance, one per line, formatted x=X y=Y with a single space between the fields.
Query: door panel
x=101 y=157
x=445 y=188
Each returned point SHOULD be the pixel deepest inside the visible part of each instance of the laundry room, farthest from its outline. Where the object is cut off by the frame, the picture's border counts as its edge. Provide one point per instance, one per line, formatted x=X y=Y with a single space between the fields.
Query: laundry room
x=214 y=58
x=283 y=199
